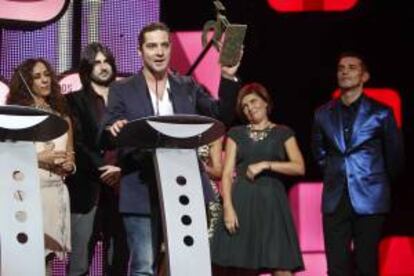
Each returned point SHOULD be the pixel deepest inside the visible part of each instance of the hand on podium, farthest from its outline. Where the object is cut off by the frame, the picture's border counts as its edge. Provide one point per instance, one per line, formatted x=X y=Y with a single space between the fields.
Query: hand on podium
x=116 y=127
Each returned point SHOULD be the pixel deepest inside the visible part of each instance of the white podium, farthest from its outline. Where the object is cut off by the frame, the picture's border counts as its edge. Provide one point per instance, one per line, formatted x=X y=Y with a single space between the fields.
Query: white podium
x=21 y=224
x=174 y=140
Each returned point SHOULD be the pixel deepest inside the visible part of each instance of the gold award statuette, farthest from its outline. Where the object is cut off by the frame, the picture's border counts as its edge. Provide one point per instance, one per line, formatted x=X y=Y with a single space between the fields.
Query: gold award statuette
x=233 y=41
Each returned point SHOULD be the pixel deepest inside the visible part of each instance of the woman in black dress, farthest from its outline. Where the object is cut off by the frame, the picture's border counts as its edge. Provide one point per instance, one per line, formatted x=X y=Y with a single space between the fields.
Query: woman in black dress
x=257 y=231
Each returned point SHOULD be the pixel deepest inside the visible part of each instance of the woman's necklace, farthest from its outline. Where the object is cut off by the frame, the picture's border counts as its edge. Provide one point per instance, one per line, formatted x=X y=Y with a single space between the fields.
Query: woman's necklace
x=43 y=106
x=259 y=134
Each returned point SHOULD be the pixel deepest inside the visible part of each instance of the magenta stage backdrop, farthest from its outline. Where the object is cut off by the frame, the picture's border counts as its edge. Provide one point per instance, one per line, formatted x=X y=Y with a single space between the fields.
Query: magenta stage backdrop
x=114 y=23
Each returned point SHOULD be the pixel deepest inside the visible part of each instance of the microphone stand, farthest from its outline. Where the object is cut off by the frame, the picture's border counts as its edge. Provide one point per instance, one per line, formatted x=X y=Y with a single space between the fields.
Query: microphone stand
x=157 y=104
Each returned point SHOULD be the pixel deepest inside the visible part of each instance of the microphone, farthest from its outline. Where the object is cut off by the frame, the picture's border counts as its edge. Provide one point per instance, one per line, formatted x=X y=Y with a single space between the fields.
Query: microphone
x=157 y=103
x=26 y=85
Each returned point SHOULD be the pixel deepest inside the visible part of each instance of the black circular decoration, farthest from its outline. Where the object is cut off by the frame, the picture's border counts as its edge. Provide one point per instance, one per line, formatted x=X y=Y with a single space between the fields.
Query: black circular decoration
x=22 y=237
x=184 y=200
x=188 y=240
x=186 y=220
x=181 y=180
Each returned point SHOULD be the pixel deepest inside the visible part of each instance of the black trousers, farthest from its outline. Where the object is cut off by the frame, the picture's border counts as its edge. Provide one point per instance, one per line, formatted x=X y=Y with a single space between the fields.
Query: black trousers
x=352 y=240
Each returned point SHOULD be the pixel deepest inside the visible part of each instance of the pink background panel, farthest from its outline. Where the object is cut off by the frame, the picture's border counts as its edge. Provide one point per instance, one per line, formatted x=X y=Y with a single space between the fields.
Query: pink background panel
x=396 y=256
x=32 y=11
x=305 y=204
x=186 y=48
x=4 y=90
x=311 y=5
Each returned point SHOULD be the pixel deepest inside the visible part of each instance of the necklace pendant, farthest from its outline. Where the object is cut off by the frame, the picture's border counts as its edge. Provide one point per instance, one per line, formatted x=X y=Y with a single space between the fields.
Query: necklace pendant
x=258 y=135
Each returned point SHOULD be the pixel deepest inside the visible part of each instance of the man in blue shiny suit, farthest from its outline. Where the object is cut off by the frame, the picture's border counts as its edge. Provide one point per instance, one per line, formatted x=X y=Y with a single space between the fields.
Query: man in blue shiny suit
x=356 y=142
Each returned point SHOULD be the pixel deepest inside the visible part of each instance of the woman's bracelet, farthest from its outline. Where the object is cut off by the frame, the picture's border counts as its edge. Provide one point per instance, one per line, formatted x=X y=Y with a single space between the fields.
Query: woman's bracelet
x=74 y=167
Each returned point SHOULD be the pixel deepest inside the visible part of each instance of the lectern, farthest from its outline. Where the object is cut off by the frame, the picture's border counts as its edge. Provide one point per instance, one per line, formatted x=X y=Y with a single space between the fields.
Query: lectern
x=21 y=225
x=174 y=140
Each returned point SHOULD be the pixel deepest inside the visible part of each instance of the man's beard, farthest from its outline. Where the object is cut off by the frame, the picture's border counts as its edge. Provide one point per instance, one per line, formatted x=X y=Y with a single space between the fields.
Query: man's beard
x=103 y=82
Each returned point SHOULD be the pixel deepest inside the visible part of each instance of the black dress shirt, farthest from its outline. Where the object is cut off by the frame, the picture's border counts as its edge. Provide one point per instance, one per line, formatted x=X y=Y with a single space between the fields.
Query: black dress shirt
x=348 y=115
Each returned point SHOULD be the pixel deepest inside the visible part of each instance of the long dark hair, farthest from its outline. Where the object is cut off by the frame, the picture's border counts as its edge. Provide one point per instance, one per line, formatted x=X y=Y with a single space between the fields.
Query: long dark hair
x=87 y=62
x=20 y=95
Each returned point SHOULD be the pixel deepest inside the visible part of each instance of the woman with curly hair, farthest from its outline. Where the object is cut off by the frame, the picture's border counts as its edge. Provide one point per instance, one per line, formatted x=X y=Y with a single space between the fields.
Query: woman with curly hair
x=35 y=84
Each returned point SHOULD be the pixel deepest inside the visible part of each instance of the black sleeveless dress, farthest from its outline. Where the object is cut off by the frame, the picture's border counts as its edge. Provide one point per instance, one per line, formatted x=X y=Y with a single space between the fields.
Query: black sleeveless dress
x=266 y=238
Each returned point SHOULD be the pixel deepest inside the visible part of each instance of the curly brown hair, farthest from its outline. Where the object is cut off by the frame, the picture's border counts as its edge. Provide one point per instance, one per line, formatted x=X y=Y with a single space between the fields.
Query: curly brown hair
x=19 y=94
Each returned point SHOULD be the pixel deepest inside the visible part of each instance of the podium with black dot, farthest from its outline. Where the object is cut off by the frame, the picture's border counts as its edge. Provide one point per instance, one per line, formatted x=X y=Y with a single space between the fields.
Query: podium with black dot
x=22 y=249
x=174 y=140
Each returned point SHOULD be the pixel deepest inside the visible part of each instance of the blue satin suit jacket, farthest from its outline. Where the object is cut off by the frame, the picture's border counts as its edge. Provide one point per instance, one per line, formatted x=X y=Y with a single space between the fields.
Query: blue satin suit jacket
x=367 y=165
